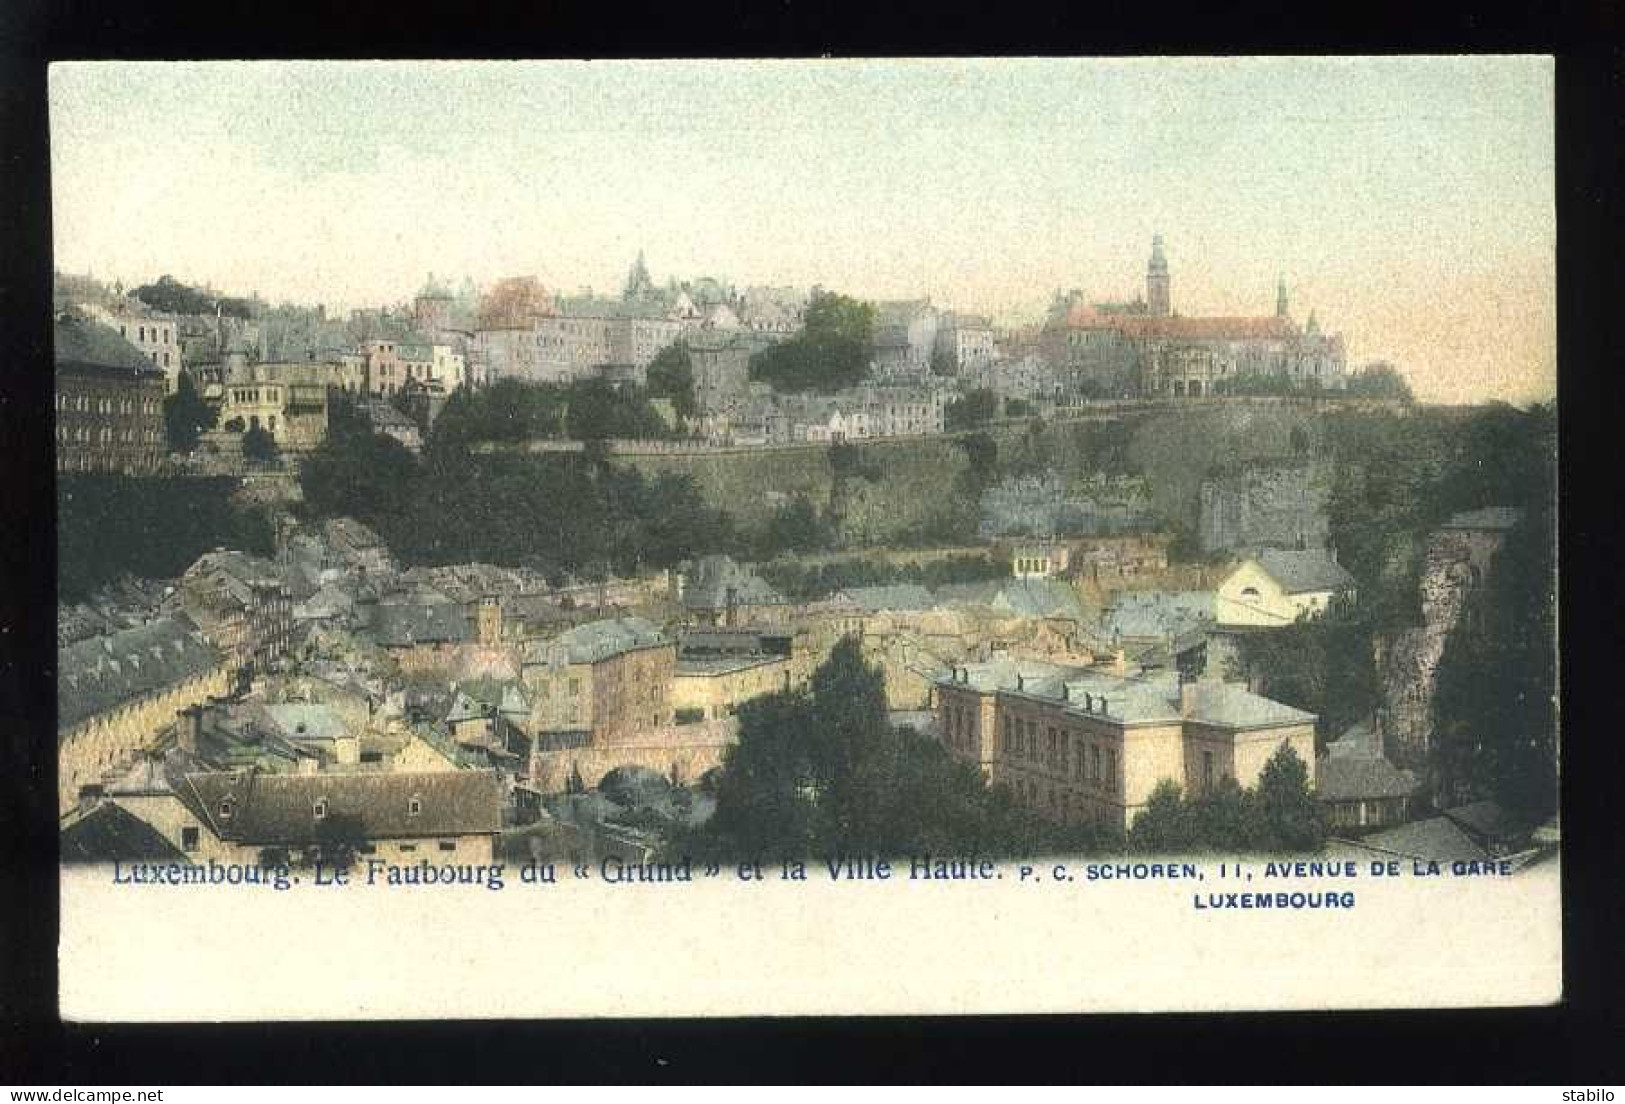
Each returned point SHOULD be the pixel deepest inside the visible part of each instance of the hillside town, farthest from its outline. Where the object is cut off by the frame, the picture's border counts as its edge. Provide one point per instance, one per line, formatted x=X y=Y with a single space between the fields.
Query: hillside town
x=1087 y=628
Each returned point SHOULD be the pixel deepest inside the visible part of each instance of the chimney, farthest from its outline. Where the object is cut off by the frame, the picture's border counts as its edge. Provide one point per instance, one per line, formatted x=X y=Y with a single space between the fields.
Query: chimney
x=1066 y=692
x=190 y=730
x=1103 y=709
x=1021 y=681
x=1187 y=699
x=1119 y=663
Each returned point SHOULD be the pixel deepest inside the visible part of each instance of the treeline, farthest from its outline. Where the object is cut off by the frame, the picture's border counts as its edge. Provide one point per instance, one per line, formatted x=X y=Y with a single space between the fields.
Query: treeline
x=515 y=410
x=805 y=582
x=110 y=525
x=170 y=295
x=564 y=514
x=1279 y=814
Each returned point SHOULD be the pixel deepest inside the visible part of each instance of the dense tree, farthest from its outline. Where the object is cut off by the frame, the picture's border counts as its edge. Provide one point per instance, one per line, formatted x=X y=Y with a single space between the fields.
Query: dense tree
x=973 y=409
x=173 y=297
x=187 y=416
x=1165 y=824
x=1324 y=665
x=154 y=527
x=671 y=376
x=830 y=353
x=1292 y=819
x=795 y=527
x=1281 y=813
x=1495 y=708
x=822 y=773
x=1379 y=381
x=260 y=447
x=598 y=411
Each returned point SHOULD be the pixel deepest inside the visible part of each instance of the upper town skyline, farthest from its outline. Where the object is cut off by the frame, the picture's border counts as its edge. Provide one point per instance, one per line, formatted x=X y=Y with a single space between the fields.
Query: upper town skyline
x=1409 y=201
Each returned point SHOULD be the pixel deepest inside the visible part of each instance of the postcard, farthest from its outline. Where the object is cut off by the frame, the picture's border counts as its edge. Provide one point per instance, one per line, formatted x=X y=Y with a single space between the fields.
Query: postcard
x=805 y=537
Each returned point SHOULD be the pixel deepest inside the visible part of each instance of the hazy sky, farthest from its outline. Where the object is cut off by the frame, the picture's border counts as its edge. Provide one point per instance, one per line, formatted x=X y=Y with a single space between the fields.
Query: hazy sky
x=1409 y=201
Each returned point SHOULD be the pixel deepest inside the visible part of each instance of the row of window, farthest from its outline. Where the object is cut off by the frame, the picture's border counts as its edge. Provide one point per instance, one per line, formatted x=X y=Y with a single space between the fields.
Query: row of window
x=163 y=334
x=104 y=435
x=84 y=404
x=1061 y=752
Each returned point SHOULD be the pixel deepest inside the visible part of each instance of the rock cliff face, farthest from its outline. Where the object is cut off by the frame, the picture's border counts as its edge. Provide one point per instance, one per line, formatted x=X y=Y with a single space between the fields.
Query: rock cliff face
x=1279 y=504
x=1456 y=562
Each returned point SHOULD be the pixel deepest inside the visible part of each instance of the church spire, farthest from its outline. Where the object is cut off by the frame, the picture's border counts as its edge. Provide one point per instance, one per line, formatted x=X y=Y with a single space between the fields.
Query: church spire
x=1156 y=281
x=1280 y=297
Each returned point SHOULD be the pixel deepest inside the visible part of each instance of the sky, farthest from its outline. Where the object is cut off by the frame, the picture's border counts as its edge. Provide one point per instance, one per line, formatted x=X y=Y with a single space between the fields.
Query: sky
x=1408 y=201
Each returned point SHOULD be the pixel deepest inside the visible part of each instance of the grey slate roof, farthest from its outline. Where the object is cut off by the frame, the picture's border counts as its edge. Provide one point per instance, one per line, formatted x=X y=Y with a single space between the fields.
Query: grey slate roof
x=304 y=721
x=898 y=596
x=599 y=640
x=1157 y=614
x=1488 y=820
x=111 y=832
x=82 y=343
x=1301 y=572
x=104 y=672
x=1134 y=699
x=1436 y=839
x=712 y=576
x=1039 y=598
x=427 y=623
x=271 y=809
x=1355 y=778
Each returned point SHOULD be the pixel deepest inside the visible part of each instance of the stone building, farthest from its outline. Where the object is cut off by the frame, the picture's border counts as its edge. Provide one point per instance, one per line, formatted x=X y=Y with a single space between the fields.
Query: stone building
x=717 y=591
x=109 y=402
x=117 y=693
x=608 y=679
x=965 y=342
x=1078 y=745
x=905 y=334
x=720 y=362
x=1147 y=348
x=1275 y=587
x=1359 y=787
x=241 y=603
x=156 y=335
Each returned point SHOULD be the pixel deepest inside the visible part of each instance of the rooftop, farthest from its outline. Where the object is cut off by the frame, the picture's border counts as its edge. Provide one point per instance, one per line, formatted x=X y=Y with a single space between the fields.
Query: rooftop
x=1300 y=572
x=103 y=672
x=281 y=808
x=82 y=343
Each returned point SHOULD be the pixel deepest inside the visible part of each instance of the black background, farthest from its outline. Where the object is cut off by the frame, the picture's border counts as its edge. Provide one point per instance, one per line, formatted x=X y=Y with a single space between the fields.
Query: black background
x=1577 y=1043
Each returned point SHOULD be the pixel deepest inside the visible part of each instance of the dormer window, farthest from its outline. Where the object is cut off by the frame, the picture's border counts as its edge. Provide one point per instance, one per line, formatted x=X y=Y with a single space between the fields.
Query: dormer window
x=1249 y=592
x=225 y=810
x=414 y=806
x=319 y=809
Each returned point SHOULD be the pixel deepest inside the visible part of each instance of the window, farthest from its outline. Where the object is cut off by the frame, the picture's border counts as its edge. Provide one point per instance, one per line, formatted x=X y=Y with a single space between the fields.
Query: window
x=319 y=809
x=414 y=806
x=188 y=839
x=1207 y=771
x=448 y=845
x=1111 y=768
x=409 y=847
x=1094 y=764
